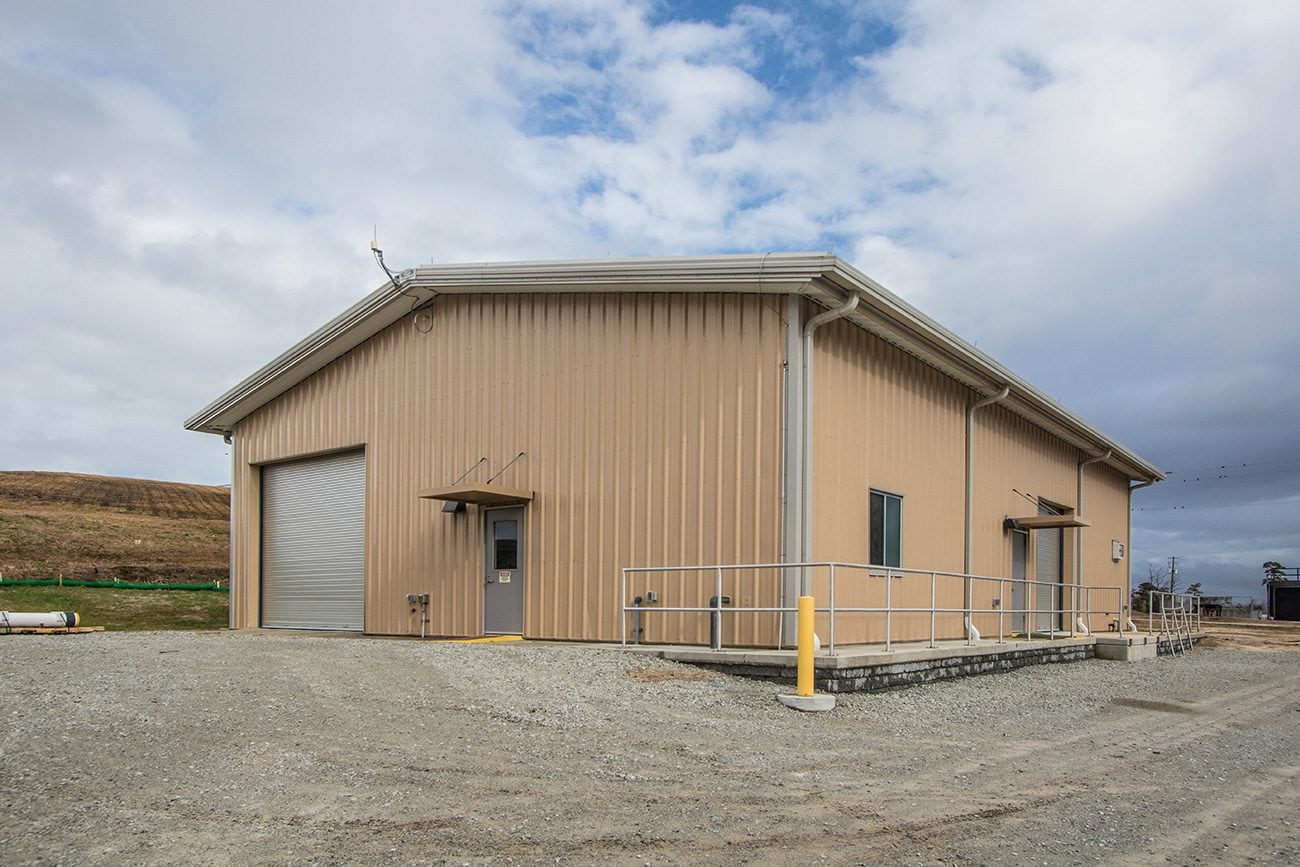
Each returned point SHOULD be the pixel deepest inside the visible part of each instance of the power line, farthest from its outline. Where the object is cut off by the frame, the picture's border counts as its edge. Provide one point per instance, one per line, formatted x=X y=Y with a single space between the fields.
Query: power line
x=1231 y=467
x=1216 y=506
x=1238 y=475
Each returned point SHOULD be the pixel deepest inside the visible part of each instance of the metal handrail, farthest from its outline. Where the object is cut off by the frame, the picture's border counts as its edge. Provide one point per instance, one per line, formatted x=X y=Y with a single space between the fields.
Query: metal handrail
x=1178 y=613
x=1078 y=593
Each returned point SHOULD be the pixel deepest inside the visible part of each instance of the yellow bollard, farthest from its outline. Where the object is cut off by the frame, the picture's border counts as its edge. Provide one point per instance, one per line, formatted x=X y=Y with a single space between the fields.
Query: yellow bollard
x=807 y=617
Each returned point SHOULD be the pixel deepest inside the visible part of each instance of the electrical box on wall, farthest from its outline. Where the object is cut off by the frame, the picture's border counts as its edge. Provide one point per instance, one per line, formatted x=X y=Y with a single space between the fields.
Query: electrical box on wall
x=1116 y=550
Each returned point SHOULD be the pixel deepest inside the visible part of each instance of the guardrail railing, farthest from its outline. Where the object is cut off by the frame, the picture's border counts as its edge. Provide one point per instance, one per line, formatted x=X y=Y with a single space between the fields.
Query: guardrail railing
x=1180 y=616
x=1031 y=617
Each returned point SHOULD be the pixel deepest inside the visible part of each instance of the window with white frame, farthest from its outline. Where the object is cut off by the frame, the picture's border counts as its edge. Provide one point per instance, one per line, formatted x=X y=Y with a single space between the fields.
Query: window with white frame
x=886 y=529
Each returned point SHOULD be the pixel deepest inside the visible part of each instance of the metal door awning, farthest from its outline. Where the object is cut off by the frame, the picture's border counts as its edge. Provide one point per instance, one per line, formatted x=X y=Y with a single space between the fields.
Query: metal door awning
x=478 y=495
x=1043 y=522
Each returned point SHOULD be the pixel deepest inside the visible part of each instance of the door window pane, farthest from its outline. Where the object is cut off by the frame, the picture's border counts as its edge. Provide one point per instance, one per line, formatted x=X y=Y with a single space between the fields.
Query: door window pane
x=505 y=538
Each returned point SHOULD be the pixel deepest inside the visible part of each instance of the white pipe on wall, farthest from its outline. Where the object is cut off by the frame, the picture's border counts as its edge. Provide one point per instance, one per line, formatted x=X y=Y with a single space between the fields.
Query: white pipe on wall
x=791 y=461
x=1078 y=542
x=806 y=411
x=971 y=632
x=1128 y=554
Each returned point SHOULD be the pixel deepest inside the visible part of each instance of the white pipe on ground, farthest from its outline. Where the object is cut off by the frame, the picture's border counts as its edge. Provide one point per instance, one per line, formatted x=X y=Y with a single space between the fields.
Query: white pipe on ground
x=43 y=620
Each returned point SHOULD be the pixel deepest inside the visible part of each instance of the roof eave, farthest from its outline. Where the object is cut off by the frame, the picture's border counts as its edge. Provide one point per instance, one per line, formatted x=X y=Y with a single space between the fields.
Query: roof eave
x=822 y=277
x=776 y=273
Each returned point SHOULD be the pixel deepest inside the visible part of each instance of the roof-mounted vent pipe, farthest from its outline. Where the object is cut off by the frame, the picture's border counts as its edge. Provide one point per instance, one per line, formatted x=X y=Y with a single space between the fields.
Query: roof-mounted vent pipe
x=973 y=634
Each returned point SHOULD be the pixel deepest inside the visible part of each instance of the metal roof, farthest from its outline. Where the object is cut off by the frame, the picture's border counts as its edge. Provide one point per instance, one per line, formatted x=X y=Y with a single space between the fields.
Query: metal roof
x=821 y=277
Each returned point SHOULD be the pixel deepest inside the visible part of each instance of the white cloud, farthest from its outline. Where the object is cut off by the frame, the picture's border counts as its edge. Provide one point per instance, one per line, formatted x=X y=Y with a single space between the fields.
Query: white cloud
x=1102 y=194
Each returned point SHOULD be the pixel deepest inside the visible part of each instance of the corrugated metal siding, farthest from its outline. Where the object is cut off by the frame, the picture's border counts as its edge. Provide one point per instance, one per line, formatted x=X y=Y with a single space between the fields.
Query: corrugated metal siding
x=650 y=424
x=884 y=420
x=887 y=421
x=1106 y=507
x=313 y=543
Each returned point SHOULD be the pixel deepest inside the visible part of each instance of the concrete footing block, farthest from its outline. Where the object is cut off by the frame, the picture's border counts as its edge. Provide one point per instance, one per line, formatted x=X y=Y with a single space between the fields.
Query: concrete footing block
x=1127 y=648
x=808 y=703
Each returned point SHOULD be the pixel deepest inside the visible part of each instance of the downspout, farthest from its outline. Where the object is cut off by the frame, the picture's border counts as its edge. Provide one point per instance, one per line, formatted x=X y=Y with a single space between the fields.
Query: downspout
x=231 y=599
x=791 y=463
x=806 y=410
x=972 y=634
x=1078 y=545
x=1128 y=553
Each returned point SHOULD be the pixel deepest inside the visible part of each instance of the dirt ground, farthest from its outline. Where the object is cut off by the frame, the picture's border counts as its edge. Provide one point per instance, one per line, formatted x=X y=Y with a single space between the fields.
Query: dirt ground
x=1251 y=634
x=102 y=528
x=184 y=748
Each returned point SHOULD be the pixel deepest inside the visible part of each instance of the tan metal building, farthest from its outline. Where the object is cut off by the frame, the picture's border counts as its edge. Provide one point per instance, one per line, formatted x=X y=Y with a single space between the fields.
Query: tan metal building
x=598 y=415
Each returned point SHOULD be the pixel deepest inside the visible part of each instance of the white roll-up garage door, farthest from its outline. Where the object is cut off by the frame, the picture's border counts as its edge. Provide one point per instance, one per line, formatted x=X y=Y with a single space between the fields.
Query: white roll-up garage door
x=313 y=543
x=1049 y=571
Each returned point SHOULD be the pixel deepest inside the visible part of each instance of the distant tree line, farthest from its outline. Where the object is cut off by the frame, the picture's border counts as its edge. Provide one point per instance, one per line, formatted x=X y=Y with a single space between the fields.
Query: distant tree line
x=1159 y=581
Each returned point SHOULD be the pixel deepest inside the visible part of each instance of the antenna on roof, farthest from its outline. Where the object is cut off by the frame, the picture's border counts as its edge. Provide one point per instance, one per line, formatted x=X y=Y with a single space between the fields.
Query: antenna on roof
x=396 y=280
x=379 y=257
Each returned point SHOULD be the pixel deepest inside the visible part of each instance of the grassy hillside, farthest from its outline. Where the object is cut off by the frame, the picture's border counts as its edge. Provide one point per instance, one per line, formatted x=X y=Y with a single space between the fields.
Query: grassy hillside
x=124 y=609
x=102 y=528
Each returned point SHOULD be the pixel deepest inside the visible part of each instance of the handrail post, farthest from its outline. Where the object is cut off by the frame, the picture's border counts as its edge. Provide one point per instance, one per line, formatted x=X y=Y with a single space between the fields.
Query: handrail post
x=1031 y=615
x=1002 y=609
x=717 y=609
x=1080 y=596
x=831 y=635
x=889 y=611
x=933 y=604
x=969 y=623
x=1055 y=614
x=622 y=604
x=1074 y=607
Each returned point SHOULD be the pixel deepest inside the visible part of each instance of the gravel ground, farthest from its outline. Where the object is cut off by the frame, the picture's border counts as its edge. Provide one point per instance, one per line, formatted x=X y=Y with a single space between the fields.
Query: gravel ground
x=214 y=748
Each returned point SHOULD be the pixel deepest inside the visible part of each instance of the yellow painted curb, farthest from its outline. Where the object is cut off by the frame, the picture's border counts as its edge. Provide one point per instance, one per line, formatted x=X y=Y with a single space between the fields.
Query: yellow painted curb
x=488 y=639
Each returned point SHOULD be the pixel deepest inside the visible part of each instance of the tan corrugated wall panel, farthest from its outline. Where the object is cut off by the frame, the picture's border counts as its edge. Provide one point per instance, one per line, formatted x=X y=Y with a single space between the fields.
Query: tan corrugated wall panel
x=1106 y=507
x=885 y=420
x=651 y=425
x=1012 y=455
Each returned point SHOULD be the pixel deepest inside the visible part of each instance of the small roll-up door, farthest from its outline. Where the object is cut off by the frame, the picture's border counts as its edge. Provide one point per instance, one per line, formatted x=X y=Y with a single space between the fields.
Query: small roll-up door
x=313 y=543
x=1049 y=570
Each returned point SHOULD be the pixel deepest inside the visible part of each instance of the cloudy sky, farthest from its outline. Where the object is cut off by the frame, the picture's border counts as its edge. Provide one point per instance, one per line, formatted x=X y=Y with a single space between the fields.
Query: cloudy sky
x=1105 y=196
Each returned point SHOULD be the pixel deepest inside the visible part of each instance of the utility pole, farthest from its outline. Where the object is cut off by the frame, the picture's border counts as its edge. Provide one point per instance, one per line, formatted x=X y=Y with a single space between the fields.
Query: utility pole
x=1173 y=574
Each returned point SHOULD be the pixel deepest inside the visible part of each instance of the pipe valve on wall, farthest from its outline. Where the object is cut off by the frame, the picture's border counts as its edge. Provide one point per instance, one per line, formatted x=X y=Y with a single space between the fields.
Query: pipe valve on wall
x=422 y=600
